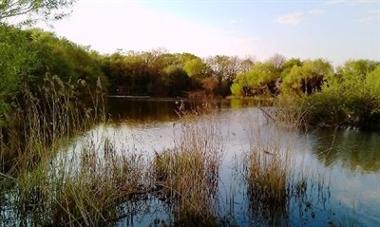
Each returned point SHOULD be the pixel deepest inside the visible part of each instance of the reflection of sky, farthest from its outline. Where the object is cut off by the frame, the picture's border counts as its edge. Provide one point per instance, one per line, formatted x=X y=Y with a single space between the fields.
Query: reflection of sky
x=353 y=194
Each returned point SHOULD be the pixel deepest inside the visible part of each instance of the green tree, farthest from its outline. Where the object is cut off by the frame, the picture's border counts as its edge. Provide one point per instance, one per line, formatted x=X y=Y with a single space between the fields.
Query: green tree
x=351 y=97
x=261 y=78
x=373 y=82
x=16 y=63
x=307 y=78
x=28 y=56
x=196 y=68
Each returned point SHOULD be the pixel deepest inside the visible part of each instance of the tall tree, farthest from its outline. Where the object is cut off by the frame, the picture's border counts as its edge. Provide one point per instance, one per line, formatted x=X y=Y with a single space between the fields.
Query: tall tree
x=32 y=10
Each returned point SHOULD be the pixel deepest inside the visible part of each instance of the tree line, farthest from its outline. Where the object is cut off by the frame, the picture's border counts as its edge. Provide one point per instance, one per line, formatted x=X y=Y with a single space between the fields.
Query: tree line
x=29 y=57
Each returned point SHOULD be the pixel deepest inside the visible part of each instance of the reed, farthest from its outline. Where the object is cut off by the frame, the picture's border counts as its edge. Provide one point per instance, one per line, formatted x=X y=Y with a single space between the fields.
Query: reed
x=87 y=187
x=42 y=118
x=41 y=188
x=269 y=170
x=188 y=174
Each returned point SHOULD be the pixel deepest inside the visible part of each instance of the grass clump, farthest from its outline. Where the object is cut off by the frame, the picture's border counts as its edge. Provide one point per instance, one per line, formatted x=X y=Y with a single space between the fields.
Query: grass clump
x=188 y=174
x=42 y=185
x=87 y=188
x=93 y=195
x=268 y=179
x=269 y=172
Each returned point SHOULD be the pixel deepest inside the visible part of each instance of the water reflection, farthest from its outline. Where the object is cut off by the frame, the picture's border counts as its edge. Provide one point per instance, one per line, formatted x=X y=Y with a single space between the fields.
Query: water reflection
x=143 y=110
x=354 y=150
x=335 y=176
x=344 y=165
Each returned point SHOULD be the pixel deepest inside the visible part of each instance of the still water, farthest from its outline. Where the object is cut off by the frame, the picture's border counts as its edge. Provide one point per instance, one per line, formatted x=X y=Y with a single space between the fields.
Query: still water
x=343 y=166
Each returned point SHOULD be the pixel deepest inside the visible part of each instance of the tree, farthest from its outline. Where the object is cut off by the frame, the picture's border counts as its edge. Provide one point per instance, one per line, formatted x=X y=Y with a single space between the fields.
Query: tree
x=29 y=56
x=176 y=80
x=245 y=65
x=34 y=9
x=349 y=97
x=373 y=82
x=196 y=68
x=359 y=68
x=225 y=68
x=277 y=61
x=260 y=79
x=306 y=79
x=17 y=61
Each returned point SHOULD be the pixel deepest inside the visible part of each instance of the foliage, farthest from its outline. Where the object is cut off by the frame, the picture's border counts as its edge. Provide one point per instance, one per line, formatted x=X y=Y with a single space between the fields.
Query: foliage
x=196 y=68
x=33 y=10
x=260 y=79
x=349 y=98
x=307 y=78
x=159 y=73
x=27 y=57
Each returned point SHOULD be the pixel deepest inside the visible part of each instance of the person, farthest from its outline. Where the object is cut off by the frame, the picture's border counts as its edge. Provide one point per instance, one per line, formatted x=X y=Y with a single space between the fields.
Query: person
x=180 y=106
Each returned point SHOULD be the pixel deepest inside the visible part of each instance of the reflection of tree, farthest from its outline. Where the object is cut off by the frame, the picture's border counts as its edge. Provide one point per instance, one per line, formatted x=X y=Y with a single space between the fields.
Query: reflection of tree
x=142 y=110
x=353 y=149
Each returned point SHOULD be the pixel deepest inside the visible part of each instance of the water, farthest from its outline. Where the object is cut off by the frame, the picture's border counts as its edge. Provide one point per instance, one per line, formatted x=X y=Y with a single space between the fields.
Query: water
x=343 y=166
x=347 y=162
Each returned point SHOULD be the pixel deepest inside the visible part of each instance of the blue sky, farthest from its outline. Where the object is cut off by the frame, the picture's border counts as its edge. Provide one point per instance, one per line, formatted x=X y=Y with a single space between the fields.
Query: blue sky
x=333 y=29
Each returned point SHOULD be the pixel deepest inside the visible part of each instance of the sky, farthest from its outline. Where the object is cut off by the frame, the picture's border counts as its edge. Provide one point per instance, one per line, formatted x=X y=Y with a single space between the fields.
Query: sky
x=336 y=30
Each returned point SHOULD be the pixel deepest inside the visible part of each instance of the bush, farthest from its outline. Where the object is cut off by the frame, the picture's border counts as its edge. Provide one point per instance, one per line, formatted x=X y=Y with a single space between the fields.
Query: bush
x=349 y=98
x=27 y=57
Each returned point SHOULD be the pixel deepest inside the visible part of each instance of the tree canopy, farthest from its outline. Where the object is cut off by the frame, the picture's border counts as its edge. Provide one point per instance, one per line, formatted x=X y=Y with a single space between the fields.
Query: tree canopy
x=33 y=10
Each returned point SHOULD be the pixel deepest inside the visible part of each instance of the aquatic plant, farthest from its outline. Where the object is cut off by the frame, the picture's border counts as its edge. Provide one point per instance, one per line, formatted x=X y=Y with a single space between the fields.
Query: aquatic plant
x=188 y=173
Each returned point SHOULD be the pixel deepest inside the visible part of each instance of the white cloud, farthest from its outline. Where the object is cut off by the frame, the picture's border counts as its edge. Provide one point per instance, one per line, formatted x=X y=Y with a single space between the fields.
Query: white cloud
x=316 y=12
x=373 y=15
x=108 y=26
x=291 y=19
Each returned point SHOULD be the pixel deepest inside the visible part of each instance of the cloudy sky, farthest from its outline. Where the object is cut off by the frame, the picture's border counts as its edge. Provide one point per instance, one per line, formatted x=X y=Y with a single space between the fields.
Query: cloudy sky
x=333 y=29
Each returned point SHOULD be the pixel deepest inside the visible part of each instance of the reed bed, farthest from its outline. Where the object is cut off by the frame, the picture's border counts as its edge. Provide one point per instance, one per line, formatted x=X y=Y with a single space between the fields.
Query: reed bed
x=89 y=191
x=39 y=188
x=98 y=181
x=188 y=174
x=45 y=117
x=269 y=168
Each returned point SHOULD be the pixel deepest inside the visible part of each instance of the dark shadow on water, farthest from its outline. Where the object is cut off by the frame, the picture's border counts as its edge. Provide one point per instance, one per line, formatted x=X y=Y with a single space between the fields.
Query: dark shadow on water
x=353 y=149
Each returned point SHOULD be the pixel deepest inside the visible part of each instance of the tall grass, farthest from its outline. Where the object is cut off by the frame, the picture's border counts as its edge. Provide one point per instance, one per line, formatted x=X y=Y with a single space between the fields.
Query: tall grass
x=41 y=189
x=87 y=187
x=42 y=118
x=188 y=174
x=93 y=183
x=269 y=169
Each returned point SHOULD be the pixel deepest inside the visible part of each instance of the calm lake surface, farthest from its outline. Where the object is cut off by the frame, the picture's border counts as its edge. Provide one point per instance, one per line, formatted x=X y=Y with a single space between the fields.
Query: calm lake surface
x=343 y=165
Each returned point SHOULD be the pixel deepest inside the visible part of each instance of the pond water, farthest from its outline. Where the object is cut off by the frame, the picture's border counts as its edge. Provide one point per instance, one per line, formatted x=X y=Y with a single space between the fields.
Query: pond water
x=343 y=165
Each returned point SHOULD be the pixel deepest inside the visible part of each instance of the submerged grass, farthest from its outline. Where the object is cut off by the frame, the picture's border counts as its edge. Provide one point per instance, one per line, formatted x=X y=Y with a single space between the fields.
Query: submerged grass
x=86 y=191
x=269 y=168
x=188 y=174
x=92 y=183
x=40 y=185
